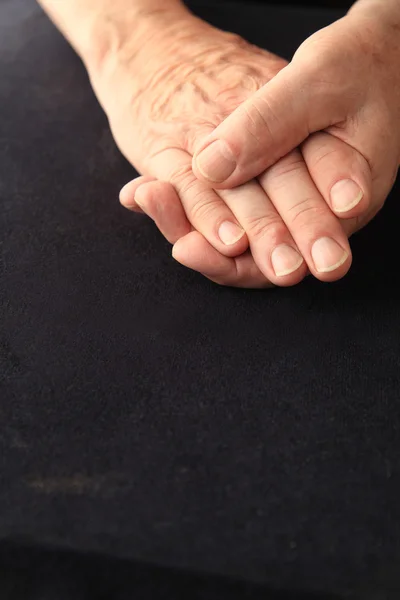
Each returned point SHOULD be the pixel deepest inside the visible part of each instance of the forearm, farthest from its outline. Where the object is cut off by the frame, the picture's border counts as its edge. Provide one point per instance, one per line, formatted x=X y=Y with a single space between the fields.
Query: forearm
x=96 y=27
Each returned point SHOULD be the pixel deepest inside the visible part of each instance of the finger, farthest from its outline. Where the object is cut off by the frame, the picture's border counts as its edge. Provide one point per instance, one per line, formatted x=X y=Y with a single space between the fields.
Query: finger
x=204 y=208
x=193 y=251
x=272 y=246
x=264 y=128
x=316 y=231
x=161 y=203
x=341 y=174
x=127 y=193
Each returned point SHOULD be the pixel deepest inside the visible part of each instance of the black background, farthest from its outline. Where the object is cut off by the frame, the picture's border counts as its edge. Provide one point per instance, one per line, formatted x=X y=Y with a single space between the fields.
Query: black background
x=150 y=417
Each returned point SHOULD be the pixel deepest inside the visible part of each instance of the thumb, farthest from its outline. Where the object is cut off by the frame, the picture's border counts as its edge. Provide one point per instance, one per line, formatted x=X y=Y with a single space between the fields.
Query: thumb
x=267 y=126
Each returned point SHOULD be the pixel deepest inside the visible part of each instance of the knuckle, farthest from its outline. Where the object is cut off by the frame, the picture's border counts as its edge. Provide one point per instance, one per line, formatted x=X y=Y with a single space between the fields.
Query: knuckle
x=236 y=40
x=271 y=227
x=165 y=191
x=317 y=152
x=202 y=207
x=286 y=168
x=182 y=178
x=306 y=213
x=258 y=120
x=199 y=200
x=160 y=187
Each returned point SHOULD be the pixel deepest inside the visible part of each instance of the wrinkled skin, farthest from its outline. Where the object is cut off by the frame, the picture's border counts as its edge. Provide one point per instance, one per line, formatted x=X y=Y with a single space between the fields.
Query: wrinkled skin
x=188 y=78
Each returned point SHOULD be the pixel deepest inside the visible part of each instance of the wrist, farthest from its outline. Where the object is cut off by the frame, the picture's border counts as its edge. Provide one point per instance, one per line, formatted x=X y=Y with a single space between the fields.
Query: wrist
x=386 y=12
x=97 y=28
x=376 y=23
x=122 y=33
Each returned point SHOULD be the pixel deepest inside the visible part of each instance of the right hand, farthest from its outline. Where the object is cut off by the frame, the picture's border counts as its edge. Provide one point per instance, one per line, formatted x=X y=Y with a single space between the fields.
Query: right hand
x=187 y=78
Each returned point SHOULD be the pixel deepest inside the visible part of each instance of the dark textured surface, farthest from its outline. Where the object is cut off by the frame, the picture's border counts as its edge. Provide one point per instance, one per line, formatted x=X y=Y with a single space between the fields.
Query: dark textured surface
x=150 y=415
x=37 y=574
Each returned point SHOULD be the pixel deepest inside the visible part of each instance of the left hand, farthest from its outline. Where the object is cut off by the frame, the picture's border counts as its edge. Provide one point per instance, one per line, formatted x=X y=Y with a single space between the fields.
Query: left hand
x=283 y=208
x=344 y=80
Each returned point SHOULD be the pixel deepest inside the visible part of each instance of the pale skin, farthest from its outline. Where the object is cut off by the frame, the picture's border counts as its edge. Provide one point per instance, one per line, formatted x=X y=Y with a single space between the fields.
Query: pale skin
x=171 y=84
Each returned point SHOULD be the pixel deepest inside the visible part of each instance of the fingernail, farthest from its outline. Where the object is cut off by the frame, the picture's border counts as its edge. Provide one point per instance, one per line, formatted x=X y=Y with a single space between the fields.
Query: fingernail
x=328 y=255
x=230 y=233
x=345 y=195
x=125 y=195
x=216 y=162
x=137 y=199
x=285 y=260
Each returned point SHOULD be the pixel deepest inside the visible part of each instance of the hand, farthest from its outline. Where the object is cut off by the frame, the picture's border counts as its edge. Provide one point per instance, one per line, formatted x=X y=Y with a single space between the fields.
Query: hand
x=160 y=201
x=158 y=107
x=345 y=80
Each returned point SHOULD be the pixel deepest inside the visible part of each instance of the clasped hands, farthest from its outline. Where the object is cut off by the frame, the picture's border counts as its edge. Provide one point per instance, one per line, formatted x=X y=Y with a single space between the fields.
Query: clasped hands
x=258 y=171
